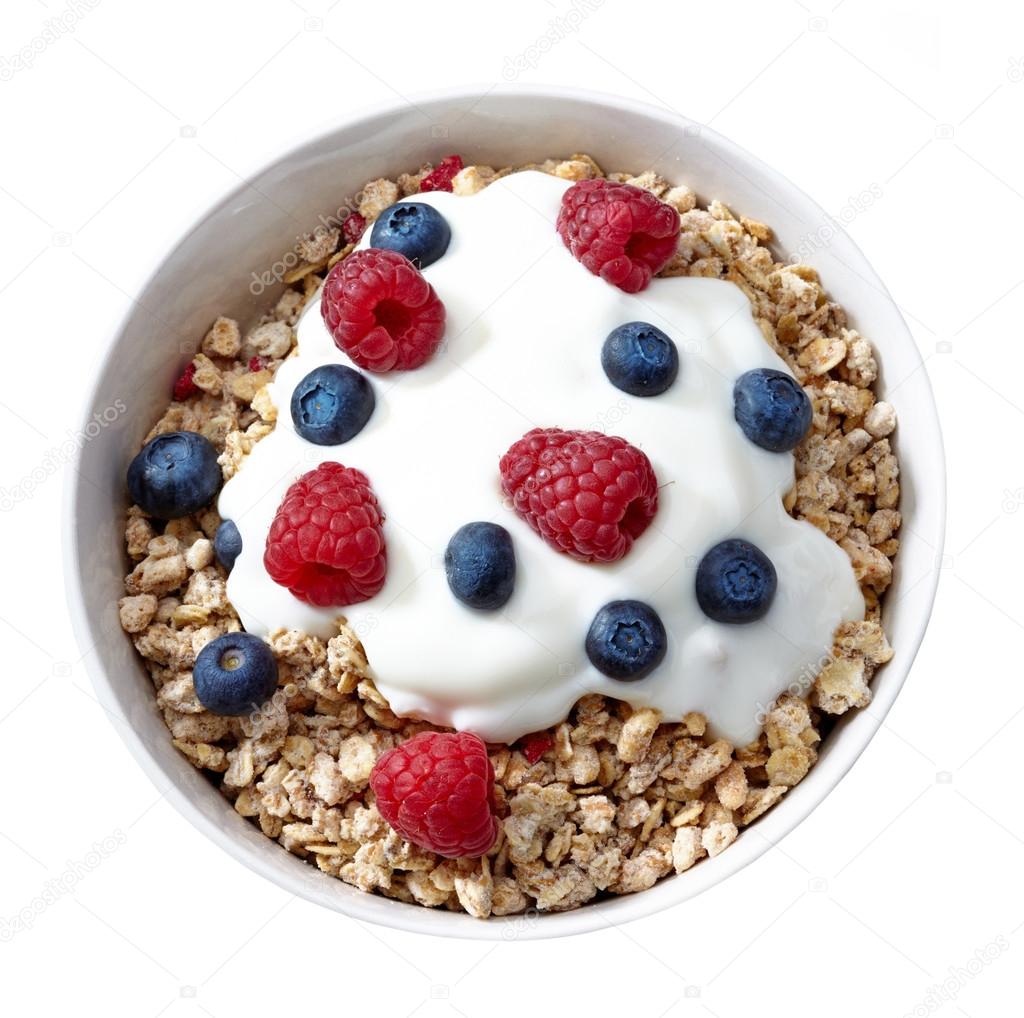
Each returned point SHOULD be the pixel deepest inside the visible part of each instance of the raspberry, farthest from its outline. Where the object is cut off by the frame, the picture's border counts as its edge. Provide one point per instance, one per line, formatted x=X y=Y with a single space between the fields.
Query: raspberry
x=437 y=791
x=587 y=494
x=381 y=311
x=326 y=544
x=533 y=747
x=619 y=232
x=440 y=177
x=184 y=386
x=353 y=227
x=257 y=363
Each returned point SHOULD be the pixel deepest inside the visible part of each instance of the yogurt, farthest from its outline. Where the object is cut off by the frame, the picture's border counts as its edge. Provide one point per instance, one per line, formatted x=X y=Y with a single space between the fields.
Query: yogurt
x=522 y=349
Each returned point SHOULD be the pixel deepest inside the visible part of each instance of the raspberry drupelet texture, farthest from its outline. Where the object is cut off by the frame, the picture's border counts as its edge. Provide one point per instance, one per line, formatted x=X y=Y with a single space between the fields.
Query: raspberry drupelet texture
x=185 y=386
x=326 y=543
x=381 y=311
x=534 y=746
x=353 y=227
x=437 y=791
x=586 y=493
x=440 y=178
x=619 y=232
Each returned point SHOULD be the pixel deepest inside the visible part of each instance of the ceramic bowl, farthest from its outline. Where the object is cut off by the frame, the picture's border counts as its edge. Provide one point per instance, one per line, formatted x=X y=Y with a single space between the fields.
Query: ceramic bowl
x=220 y=266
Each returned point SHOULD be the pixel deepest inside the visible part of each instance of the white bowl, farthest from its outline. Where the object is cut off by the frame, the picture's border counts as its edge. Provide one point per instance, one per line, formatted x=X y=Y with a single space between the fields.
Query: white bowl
x=208 y=273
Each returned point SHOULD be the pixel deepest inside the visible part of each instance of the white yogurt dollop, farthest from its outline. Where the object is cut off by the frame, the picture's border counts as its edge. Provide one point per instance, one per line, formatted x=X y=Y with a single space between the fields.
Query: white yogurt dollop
x=522 y=349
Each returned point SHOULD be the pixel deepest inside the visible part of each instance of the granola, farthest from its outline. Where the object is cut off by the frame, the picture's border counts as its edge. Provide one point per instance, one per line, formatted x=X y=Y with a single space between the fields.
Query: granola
x=617 y=799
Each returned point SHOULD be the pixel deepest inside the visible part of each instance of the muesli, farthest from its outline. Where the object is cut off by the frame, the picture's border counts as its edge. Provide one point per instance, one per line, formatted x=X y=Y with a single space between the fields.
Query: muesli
x=610 y=571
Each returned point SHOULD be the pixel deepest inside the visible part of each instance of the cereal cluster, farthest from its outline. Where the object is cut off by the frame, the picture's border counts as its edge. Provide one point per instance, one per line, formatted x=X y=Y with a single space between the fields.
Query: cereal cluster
x=611 y=800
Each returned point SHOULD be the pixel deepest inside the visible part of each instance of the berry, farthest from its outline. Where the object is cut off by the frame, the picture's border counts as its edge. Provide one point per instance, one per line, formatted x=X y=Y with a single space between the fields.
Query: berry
x=331 y=404
x=480 y=564
x=185 y=386
x=736 y=582
x=619 y=232
x=533 y=747
x=381 y=311
x=227 y=544
x=175 y=474
x=437 y=791
x=416 y=230
x=440 y=178
x=353 y=227
x=626 y=640
x=257 y=363
x=772 y=409
x=235 y=674
x=326 y=543
x=587 y=494
x=640 y=359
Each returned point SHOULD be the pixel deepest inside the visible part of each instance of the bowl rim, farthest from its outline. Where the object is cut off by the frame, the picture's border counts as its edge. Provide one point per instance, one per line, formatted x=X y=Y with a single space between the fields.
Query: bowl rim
x=613 y=911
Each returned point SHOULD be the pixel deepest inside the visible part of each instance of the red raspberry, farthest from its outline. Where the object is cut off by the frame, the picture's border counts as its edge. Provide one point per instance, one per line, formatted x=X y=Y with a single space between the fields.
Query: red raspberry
x=381 y=311
x=440 y=177
x=587 y=494
x=353 y=227
x=326 y=544
x=184 y=386
x=257 y=363
x=437 y=790
x=619 y=232
x=533 y=747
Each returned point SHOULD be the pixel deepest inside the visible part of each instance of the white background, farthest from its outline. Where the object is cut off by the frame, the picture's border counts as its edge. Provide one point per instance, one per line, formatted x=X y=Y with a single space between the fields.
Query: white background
x=124 y=126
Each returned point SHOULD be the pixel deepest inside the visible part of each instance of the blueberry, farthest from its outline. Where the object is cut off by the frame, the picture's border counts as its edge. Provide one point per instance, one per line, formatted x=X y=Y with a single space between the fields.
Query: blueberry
x=175 y=474
x=772 y=409
x=227 y=544
x=736 y=582
x=234 y=674
x=626 y=640
x=480 y=564
x=413 y=229
x=640 y=359
x=331 y=404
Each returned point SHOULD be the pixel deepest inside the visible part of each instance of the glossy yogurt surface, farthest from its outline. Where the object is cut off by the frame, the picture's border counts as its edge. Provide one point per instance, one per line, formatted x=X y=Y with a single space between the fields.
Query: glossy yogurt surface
x=522 y=349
